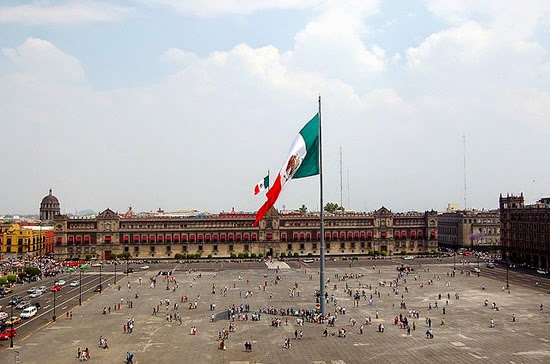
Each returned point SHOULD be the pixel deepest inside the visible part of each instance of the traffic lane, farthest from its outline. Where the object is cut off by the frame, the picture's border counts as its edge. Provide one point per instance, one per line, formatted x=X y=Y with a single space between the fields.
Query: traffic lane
x=66 y=299
x=517 y=278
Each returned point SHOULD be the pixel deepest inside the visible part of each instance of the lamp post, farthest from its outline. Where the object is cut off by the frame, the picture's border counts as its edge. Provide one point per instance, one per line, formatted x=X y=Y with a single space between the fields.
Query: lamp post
x=127 y=256
x=115 y=272
x=11 y=319
x=80 y=287
x=507 y=269
x=100 y=286
x=54 y=317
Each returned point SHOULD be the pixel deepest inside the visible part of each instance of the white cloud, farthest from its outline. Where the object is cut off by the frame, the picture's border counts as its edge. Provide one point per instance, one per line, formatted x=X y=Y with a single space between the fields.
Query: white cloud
x=70 y=13
x=212 y=8
x=178 y=57
x=232 y=114
x=45 y=60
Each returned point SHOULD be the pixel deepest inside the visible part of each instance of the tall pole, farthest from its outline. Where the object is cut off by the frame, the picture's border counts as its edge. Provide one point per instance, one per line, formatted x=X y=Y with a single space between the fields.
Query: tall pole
x=507 y=268
x=100 y=286
x=80 y=287
x=322 y=226
x=54 y=317
x=11 y=319
x=115 y=271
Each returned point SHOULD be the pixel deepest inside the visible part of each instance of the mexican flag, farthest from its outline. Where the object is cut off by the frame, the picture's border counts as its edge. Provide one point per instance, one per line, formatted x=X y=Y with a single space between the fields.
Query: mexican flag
x=262 y=185
x=302 y=161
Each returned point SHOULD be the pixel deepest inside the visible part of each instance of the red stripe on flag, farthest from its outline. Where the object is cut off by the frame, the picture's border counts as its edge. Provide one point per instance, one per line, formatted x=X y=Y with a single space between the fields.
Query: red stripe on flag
x=272 y=196
x=256 y=190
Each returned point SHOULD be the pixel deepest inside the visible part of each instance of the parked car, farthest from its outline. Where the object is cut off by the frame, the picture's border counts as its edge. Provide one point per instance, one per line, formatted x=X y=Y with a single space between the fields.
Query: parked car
x=4 y=315
x=491 y=265
x=98 y=288
x=145 y=267
x=32 y=290
x=36 y=304
x=542 y=271
x=43 y=288
x=28 y=312
x=23 y=304
x=476 y=270
x=8 y=290
x=60 y=282
x=7 y=333
x=129 y=270
x=74 y=284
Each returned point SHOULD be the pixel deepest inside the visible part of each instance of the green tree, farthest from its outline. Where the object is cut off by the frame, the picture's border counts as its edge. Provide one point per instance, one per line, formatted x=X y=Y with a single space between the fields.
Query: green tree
x=178 y=256
x=232 y=255
x=296 y=254
x=32 y=271
x=332 y=207
x=260 y=255
x=12 y=278
x=3 y=280
x=303 y=210
x=283 y=254
x=113 y=256
x=88 y=256
x=253 y=255
x=403 y=252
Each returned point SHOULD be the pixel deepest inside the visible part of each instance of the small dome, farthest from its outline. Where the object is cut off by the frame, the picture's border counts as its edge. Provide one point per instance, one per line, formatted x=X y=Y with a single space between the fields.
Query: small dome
x=50 y=199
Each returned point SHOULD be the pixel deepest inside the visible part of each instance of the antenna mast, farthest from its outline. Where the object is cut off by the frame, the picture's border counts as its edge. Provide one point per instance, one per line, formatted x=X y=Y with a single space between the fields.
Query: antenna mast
x=465 y=190
x=341 y=188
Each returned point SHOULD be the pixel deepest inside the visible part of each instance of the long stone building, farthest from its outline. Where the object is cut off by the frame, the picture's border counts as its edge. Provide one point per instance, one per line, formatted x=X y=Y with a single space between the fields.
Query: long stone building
x=221 y=235
x=525 y=231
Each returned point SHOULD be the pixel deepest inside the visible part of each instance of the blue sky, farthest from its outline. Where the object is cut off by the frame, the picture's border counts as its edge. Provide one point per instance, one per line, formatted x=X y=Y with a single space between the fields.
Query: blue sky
x=185 y=104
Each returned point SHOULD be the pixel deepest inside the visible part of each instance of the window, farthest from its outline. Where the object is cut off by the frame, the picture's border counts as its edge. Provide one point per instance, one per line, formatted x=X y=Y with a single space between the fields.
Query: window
x=289 y=247
x=200 y=247
x=246 y=247
x=230 y=247
x=302 y=246
x=215 y=247
x=327 y=245
x=342 y=245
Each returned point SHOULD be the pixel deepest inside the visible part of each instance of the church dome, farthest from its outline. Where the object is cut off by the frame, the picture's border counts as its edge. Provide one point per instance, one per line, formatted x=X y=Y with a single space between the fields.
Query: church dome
x=50 y=199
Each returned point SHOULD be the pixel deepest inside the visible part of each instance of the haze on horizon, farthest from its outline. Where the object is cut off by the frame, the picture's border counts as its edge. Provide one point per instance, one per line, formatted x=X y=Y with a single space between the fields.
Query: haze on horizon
x=181 y=105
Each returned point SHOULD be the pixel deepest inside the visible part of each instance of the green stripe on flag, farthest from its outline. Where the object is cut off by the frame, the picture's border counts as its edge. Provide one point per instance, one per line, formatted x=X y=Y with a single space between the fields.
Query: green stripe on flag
x=310 y=164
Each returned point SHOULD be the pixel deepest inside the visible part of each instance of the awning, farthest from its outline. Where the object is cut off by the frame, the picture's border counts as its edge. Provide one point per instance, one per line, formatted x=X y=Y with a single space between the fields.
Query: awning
x=136 y=238
x=327 y=235
x=239 y=237
x=420 y=234
x=59 y=240
x=246 y=237
x=222 y=237
x=335 y=235
x=176 y=237
x=269 y=236
x=168 y=237
x=126 y=238
x=318 y=236
x=362 y=235
x=356 y=235
x=215 y=237
x=295 y=236
x=283 y=236
x=191 y=237
x=302 y=236
x=369 y=235
x=413 y=234
x=207 y=237
x=404 y=234
x=107 y=238
x=86 y=238
x=350 y=235
x=151 y=238
x=397 y=234
x=230 y=237
x=199 y=237
x=143 y=238
x=184 y=238
x=342 y=235
x=308 y=236
x=70 y=239
x=433 y=233
x=383 y=234
x=254 y=237
x=79 y=239
x=160 y=238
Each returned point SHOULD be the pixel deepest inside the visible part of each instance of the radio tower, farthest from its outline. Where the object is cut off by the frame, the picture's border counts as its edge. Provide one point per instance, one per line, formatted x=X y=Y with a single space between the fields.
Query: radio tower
x=465 y=190
x=341 y=188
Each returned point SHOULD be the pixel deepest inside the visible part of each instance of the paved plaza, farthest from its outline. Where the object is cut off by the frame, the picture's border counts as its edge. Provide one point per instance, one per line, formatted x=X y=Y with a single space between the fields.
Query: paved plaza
x=465 y=336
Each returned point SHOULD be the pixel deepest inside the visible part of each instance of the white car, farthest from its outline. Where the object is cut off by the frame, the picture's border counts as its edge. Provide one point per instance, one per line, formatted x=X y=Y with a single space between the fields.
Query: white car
x=476 y=270
x=541 y=271
x=36 y=294
x=96 y=265
x=4 y=315
x=74 y=284
x=60 y=282
x=145 y=267
x=28 y=312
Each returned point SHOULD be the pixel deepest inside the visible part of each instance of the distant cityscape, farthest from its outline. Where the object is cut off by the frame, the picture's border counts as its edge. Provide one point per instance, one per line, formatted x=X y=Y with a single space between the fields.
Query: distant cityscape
x=520 y=232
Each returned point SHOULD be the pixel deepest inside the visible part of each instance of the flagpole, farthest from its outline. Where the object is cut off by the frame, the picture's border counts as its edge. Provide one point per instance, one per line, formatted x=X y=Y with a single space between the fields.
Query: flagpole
x=321 y=224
